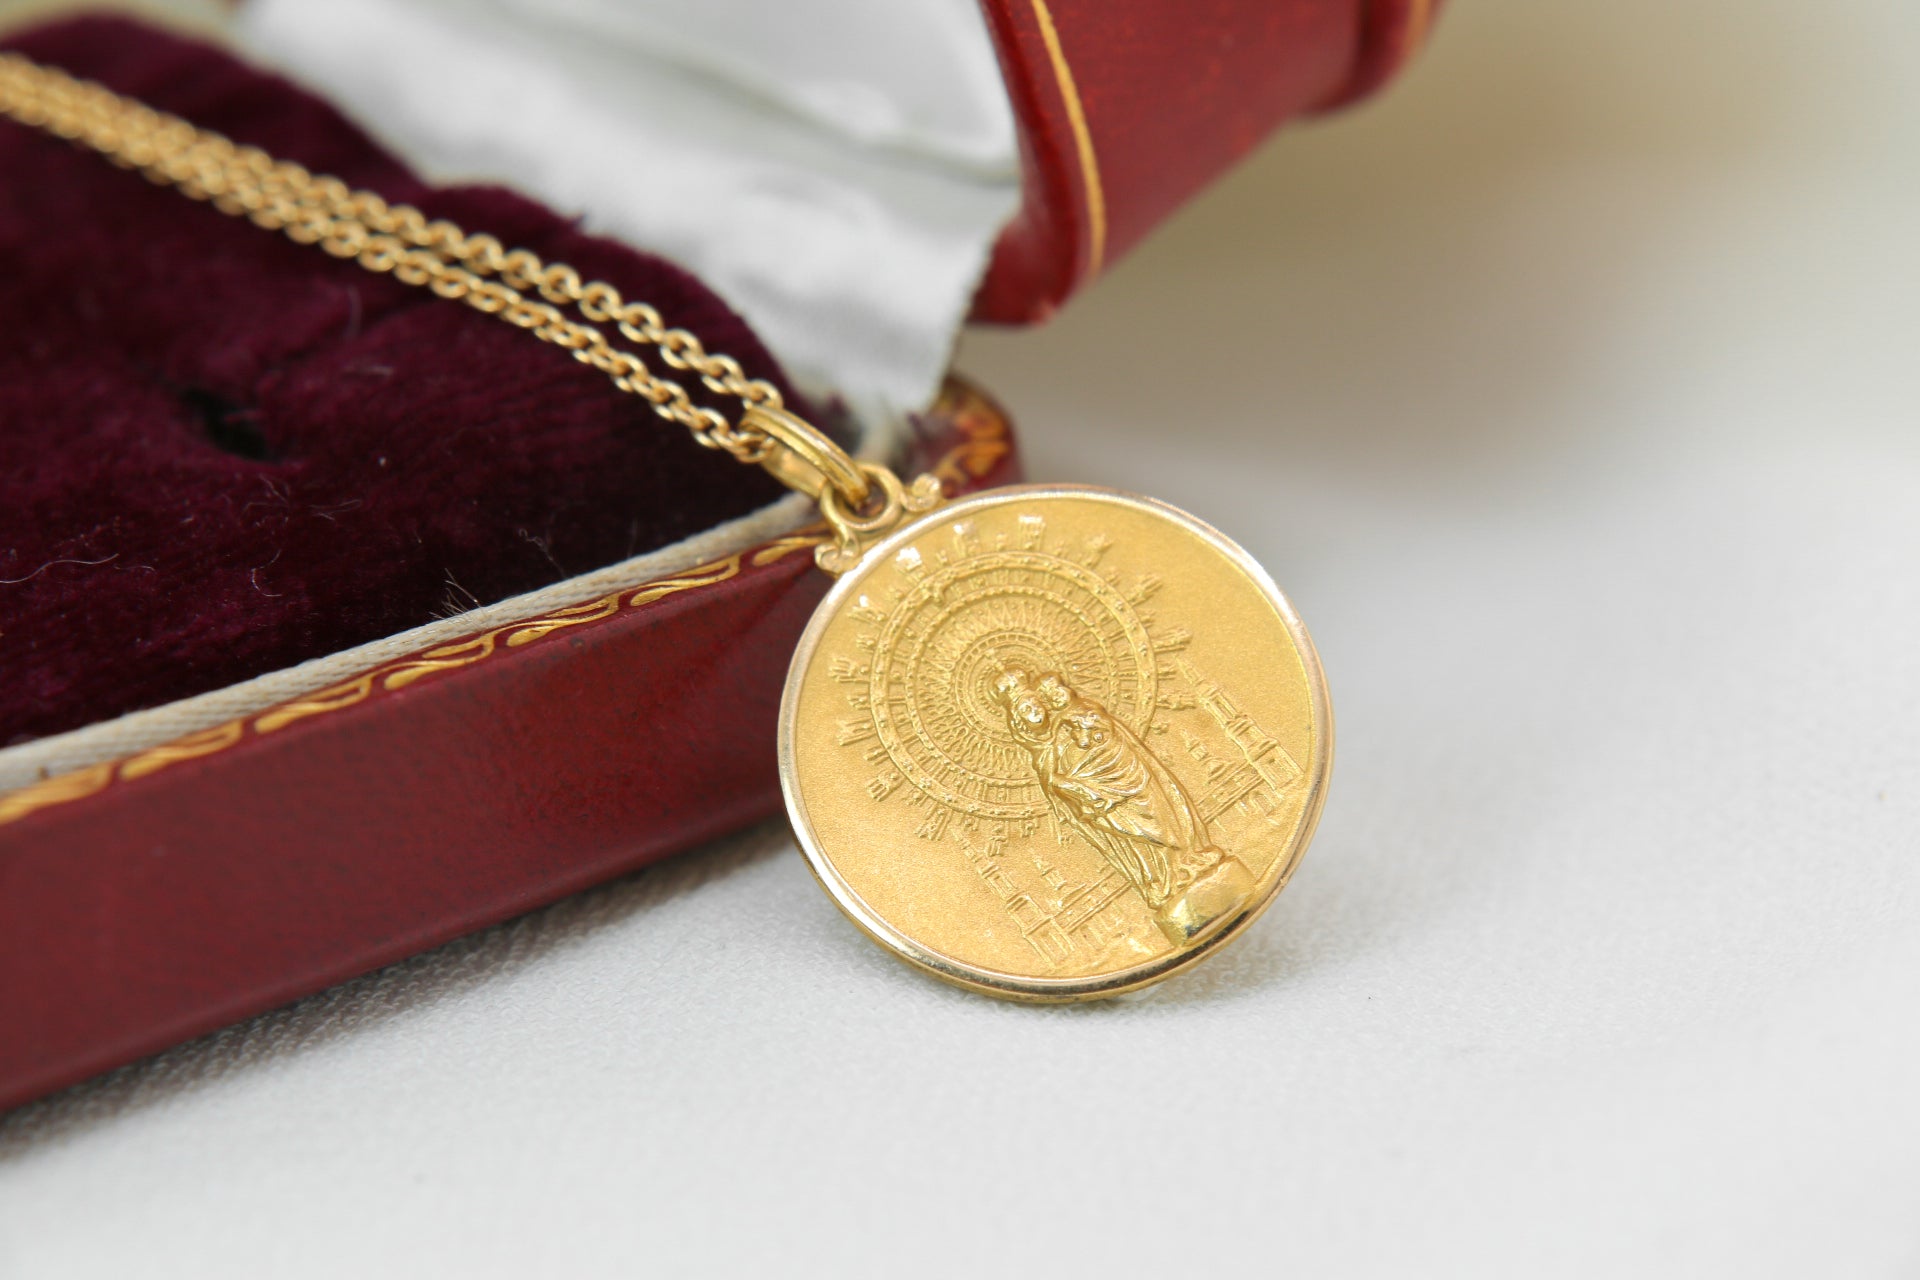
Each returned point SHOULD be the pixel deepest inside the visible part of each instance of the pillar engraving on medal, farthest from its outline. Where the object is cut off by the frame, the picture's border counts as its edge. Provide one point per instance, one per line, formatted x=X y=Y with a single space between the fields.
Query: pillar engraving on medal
x=1018 y=691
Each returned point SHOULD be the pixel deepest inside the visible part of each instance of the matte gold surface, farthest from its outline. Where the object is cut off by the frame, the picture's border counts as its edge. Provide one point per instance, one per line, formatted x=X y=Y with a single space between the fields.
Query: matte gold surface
x=1054 y=742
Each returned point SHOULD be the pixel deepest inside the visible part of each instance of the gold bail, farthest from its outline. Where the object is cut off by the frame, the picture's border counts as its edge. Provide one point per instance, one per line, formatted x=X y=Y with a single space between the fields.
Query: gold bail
x=804 y=459
x=862 y=502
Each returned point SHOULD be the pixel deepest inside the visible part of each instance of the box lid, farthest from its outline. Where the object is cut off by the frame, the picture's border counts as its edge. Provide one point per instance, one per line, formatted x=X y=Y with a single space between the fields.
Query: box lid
x=1126 y=108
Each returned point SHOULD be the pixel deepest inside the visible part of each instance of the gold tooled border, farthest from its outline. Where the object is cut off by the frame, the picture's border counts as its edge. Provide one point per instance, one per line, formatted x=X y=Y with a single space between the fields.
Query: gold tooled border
x=984 y=442
x=1419 y=23
x=394 y=675
x=1082 y=139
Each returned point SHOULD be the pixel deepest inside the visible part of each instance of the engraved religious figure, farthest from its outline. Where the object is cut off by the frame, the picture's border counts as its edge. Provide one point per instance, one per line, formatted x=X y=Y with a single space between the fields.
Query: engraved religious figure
x=1104 y=784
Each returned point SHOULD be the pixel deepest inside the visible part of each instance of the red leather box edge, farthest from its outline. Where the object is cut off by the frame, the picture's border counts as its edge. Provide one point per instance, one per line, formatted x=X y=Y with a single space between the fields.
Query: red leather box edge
x=150 y=899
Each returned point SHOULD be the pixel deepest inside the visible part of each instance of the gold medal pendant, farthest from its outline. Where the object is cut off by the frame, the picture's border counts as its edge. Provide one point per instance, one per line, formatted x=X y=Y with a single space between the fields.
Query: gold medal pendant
x=1045 y=742
x=1053 y=742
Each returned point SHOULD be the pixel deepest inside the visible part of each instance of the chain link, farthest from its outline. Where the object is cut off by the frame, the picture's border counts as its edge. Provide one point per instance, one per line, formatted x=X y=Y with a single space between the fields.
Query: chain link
x=399 y=240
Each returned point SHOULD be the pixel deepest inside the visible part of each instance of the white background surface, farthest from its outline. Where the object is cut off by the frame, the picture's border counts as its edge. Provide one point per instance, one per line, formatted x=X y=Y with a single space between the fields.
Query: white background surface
x=1571 y=392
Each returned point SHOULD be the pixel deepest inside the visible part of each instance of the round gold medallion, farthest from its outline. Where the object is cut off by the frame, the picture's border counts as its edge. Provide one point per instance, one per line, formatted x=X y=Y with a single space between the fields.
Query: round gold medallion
x=1054 y=742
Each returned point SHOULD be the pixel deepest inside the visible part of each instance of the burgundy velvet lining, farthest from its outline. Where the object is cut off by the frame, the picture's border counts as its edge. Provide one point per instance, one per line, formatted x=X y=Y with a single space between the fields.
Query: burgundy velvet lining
x=222 y=453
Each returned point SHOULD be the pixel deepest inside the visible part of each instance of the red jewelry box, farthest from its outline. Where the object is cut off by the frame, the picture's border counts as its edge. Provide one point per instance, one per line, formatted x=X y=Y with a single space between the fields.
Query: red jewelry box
x=204 y=860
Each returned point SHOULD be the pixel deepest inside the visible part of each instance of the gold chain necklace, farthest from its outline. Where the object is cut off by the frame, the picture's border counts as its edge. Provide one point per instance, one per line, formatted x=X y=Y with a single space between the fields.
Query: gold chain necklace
x=1046 y=742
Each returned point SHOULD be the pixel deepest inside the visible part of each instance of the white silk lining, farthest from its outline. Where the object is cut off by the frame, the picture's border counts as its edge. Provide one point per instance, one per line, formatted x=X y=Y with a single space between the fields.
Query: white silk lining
x=837 y=171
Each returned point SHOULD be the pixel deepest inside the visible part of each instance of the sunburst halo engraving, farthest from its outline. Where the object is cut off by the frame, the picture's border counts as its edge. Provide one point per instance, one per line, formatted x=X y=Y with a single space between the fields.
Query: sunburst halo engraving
x=948 y=640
